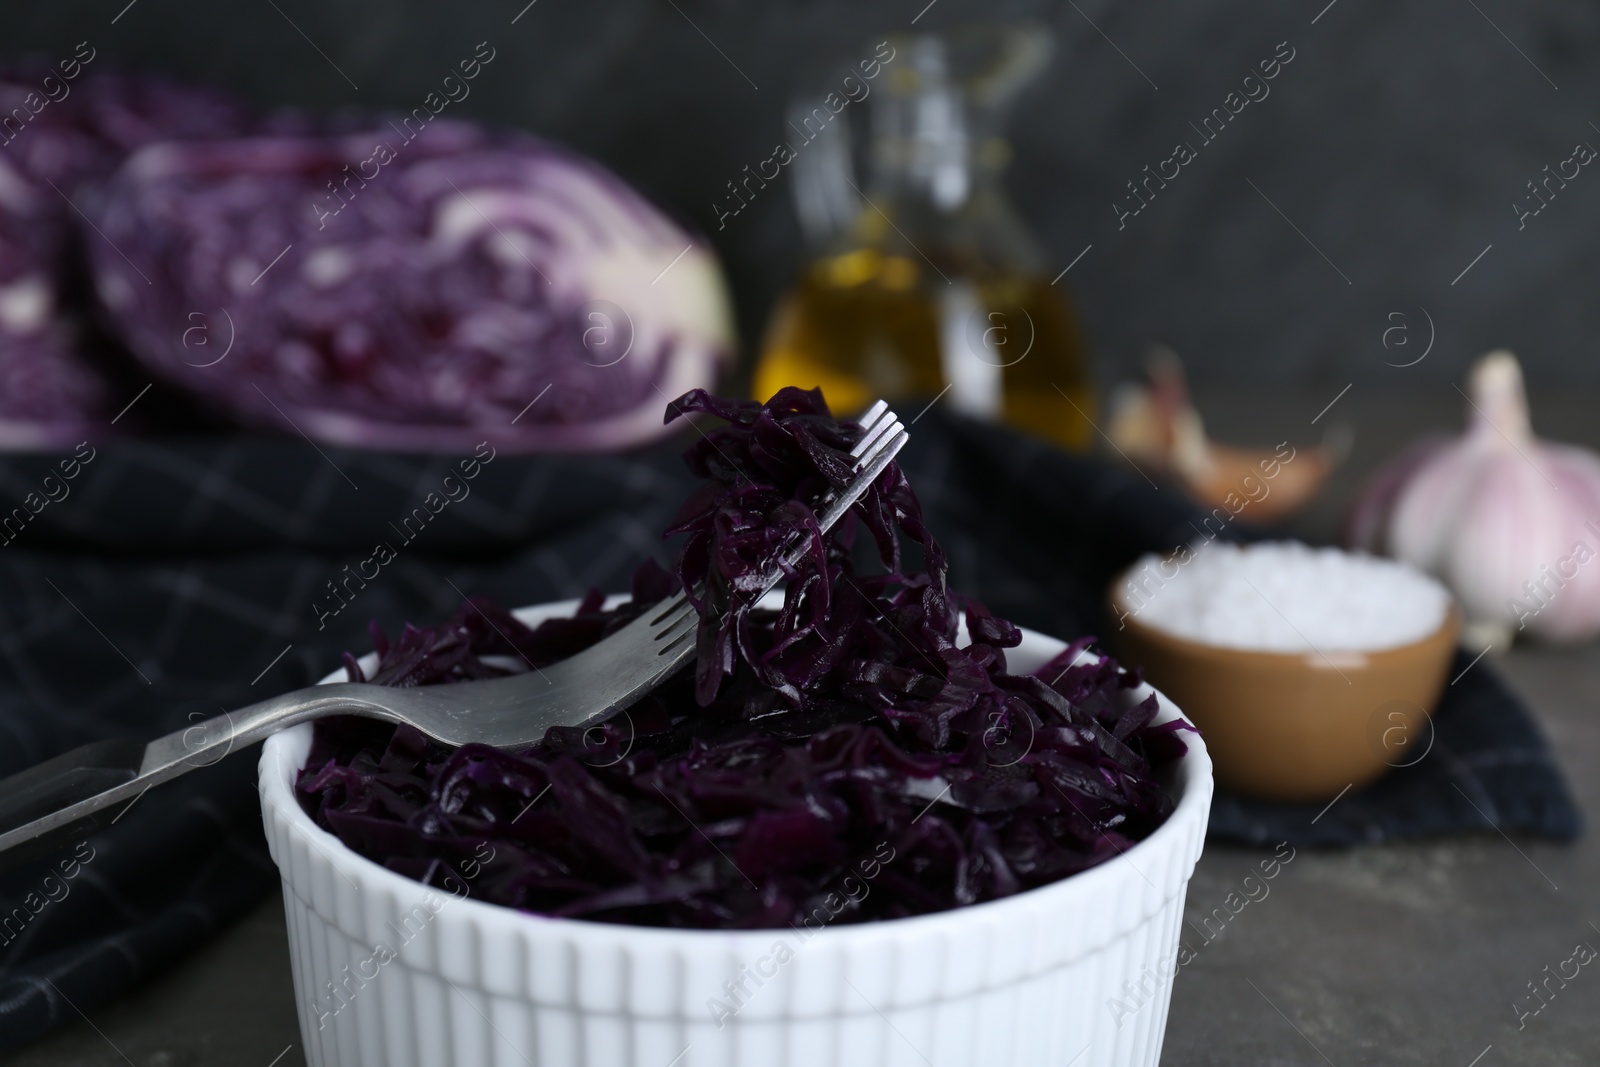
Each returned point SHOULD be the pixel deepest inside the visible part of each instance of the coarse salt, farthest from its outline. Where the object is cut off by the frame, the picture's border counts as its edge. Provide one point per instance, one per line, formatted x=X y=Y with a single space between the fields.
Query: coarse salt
x=1284 y=596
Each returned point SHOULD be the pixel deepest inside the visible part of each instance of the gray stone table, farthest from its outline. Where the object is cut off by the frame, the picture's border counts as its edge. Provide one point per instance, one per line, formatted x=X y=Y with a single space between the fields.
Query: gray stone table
x=1395 y=954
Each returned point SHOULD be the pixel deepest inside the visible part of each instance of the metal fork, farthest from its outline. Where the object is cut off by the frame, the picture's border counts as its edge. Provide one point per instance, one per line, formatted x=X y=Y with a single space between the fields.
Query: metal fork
x=61 y=797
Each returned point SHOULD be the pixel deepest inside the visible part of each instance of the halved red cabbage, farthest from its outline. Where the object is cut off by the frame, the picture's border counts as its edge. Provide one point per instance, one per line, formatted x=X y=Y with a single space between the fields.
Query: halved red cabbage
x=392 y=288
x=60 y=136
x=50 y=397
x=839 y=760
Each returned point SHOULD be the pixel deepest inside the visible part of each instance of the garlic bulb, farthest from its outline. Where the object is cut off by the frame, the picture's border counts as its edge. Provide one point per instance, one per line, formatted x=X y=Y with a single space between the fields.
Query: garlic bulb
x=1510 y=523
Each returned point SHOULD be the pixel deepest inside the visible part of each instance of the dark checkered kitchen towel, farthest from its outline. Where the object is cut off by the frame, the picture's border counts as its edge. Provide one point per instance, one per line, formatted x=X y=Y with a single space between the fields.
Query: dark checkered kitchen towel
x=164 y=582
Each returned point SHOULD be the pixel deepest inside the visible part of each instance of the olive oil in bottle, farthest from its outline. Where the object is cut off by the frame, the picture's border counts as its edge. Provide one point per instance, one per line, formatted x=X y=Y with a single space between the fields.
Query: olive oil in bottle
x=933 y=289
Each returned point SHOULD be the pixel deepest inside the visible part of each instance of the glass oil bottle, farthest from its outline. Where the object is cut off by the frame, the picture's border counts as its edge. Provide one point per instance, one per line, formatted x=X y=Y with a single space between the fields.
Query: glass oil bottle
x=924 y=284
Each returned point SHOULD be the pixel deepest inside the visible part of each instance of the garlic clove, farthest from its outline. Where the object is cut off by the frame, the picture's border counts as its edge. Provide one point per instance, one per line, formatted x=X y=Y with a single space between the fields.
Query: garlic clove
x=1422 y=526
x=1502 y=531
x=1568 y=581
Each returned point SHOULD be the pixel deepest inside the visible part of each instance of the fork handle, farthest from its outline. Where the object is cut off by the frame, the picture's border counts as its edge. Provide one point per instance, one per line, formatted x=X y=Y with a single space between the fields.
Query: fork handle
x=62 y=799
x=33 y=799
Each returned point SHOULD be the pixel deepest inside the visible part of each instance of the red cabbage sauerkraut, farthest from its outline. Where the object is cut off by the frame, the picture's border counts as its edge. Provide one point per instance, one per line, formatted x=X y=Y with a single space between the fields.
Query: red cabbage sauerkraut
x=843 y=740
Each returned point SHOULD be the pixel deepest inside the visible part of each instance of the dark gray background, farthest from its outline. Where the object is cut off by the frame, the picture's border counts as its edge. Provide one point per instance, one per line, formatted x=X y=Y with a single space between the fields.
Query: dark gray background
x=1397 y=141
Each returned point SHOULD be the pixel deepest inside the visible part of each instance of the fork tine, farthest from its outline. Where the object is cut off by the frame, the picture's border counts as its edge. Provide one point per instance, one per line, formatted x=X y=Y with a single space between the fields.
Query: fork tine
x=869 y=437
x=880 y=427
x=892 y=432
x=668 y=606
x=866 y=422
x=676 y=626
x=867 y=470
x=669 y=620
x=882 y=456
x=677 y=642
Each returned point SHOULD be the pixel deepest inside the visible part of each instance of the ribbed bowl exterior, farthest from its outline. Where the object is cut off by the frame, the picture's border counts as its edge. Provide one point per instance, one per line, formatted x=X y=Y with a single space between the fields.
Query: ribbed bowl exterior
x=391 y=973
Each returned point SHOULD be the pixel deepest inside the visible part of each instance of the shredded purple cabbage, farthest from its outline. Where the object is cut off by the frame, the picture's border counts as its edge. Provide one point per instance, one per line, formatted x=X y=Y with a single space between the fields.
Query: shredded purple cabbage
x=409 y=283
x=841 y=741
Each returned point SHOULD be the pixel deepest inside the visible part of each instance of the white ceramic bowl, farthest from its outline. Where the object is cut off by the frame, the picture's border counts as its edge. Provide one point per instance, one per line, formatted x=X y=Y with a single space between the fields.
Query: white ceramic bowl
x=391 y=973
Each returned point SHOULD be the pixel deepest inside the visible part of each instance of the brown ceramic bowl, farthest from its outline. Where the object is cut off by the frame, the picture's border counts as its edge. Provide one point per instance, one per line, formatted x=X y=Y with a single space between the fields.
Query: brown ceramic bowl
x=1293 y=725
